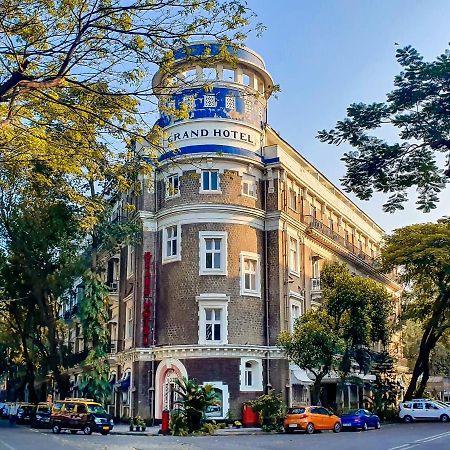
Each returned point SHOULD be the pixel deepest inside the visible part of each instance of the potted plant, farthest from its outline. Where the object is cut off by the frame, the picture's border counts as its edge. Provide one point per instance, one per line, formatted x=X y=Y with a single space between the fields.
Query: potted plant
x=137 y=423
x=143 y=425
x=237 y=424
x=229 y=419
x=131 y=423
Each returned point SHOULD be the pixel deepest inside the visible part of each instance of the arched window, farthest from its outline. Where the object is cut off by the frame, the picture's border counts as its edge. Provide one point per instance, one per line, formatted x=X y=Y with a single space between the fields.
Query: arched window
x=251 y=375
x=170 y=396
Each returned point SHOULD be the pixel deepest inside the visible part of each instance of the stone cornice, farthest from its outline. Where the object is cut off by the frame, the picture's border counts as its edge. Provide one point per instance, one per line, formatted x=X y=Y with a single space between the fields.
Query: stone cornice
x=197 y=351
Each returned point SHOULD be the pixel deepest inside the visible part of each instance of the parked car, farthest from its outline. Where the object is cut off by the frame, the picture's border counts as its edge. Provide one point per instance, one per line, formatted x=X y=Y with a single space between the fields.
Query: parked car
x=360 y=419
x=25 y=412
x=41 y=416
x=310 y=419
x=80 y=414
x=424 y=410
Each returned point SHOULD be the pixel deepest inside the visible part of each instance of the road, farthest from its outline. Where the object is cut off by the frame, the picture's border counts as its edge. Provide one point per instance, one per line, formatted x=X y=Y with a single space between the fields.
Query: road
x=420 y=436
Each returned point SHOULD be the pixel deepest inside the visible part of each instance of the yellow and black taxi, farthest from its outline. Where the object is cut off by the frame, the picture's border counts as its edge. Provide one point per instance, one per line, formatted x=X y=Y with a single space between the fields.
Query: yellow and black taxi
x=80 y=414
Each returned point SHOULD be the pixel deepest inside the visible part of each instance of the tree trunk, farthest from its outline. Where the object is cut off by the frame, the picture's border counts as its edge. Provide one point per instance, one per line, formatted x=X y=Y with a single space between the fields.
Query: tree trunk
x=428 y=342
x=315 y=392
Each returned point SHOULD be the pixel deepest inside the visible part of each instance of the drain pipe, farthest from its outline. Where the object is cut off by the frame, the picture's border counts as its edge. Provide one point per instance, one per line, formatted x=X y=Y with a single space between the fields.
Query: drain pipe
x=266 y=291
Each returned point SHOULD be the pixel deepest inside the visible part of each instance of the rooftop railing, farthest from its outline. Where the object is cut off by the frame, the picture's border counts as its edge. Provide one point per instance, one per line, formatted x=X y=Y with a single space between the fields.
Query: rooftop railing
x=328 y=232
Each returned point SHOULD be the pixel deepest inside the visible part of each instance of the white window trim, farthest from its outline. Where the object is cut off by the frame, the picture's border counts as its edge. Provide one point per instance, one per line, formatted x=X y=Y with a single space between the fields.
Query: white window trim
x=130 y=261
x=291 y=270
x=258 y=382
x=165 y=257
x=225 y=397
x=210 y=191
x=202 y=252
x=295 y=299
x=166 y=182
x=249 y=179
x=246 y=292
x=212 y=301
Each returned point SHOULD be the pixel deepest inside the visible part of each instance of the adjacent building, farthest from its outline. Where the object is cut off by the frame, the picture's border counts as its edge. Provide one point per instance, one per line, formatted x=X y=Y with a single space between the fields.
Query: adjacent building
x=237 y=225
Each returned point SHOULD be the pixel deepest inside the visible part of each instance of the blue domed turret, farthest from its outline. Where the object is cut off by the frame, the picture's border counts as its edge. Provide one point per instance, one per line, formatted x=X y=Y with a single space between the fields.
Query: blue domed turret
x=225 y=93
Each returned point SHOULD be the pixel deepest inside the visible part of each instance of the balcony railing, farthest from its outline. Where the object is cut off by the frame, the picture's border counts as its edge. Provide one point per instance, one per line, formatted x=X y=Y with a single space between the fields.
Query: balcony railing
x=327 y=231
x=113 y=287
x=315 y=285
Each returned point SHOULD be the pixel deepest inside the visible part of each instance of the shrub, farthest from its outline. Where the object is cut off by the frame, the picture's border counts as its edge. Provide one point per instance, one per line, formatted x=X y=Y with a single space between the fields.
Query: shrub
x=271 y=411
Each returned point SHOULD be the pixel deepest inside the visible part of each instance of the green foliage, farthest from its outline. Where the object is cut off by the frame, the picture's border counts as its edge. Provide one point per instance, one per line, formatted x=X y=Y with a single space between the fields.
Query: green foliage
x=271 y=410
x=418 y=107
x=354 y=315
x=178 y=423
x=94 y=321
x=385 y=389
x=193 y=401
x=422 y=252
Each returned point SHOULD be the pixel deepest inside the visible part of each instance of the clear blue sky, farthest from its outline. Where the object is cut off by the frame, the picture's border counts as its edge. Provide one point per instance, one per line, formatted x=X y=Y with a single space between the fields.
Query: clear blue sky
x=327 y=54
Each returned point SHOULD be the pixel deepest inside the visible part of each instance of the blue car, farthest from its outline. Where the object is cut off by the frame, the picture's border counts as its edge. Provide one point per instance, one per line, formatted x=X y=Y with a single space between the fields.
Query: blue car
x=360 y=419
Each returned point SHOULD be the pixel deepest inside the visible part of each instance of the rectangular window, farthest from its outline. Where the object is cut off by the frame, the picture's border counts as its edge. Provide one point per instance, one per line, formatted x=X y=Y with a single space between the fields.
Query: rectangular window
x=130 y=261
x=213 y=253
x=212 y=318
x=230 y=102
x=293 y=199
x=293 y=255
x=129 y=323
x=172 y=186
x=314 y=212
x=209 y=101
x=210 y=181
x=249 y=186
x=297 y=310
x=171 y=243
x=250 y=274
x=213 y=324
x=331 y=224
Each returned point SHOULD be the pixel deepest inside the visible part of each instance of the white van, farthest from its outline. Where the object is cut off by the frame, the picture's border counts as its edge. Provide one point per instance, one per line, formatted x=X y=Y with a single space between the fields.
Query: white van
x=422 y=409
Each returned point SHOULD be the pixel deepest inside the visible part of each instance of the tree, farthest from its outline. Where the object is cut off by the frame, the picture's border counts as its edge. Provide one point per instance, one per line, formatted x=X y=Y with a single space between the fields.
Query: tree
x=355 y=314
x=419 y=107
x=422 y=252
x=69 y=67
x=193 y=401
x=313 y=346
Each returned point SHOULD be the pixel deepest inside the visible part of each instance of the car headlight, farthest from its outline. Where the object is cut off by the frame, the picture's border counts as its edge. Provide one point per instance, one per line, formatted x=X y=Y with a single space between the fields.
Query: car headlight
x=111 y=422
x=97 y=420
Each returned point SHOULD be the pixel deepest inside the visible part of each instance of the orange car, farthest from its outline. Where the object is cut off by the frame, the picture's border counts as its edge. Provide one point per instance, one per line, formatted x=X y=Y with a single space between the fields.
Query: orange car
x=310 y=419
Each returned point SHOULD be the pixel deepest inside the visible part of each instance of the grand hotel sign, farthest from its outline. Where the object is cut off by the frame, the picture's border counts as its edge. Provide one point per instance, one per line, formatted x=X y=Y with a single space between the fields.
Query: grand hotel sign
x=217 y=132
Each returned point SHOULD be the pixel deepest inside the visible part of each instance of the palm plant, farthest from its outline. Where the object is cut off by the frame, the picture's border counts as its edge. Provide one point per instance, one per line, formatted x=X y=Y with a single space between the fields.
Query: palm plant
x=193 y=400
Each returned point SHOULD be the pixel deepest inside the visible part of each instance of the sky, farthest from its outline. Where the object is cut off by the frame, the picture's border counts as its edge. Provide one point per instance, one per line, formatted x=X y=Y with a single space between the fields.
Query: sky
x=327 y=54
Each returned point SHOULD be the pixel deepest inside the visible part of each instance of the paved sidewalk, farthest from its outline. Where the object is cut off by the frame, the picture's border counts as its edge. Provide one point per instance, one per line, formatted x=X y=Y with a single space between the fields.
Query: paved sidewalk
x=124 y=429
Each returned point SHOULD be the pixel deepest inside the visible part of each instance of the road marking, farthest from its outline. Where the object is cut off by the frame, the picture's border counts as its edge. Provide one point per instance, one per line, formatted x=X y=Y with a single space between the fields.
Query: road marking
x=421 y=441
x=9 y=447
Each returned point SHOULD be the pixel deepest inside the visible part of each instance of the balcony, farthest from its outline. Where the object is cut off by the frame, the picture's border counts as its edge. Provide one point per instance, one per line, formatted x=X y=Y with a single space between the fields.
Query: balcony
x=316 y=224
x=114 y=346
x=315 y=285
x=113 y=287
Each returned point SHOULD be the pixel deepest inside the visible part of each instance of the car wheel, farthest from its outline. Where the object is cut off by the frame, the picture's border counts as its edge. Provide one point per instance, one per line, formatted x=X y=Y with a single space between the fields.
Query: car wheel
x=73 y=431
x=56 y=428
x=444 y=418
x=378 y=425
x=337 y=427
x=104 y=433
x=87 y=430
x=288 y=430
x=407 y=419
x=365 y=427
x=310 y=428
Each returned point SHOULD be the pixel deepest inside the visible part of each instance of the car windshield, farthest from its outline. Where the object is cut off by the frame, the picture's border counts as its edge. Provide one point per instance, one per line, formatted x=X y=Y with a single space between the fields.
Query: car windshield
x=296 y=410
x=351 y=412
x=26 y=408
x=96 y=409
x=44 y=409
